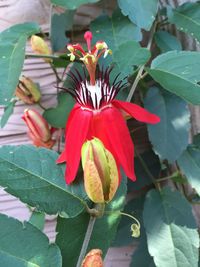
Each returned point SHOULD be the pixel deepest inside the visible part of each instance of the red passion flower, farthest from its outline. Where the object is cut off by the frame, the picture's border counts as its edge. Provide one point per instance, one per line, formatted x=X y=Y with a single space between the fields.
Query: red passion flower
x=98 y=114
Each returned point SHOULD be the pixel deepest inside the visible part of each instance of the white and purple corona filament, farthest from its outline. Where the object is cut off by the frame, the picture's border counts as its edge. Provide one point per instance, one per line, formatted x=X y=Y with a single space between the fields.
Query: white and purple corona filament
x=98 y=96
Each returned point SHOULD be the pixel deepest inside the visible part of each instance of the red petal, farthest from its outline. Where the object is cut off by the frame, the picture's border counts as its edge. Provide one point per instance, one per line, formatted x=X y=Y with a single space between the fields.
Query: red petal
x=76 y=134
x=62 y=157
x=137 y=112
x=119 y=138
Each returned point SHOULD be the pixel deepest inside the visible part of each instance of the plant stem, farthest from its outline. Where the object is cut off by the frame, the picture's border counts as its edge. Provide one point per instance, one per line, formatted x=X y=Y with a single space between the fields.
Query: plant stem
x=40 y=105
x=58 y=80
x=139 y=75
x=41 y=56
x=155 y=182
x=86 y=240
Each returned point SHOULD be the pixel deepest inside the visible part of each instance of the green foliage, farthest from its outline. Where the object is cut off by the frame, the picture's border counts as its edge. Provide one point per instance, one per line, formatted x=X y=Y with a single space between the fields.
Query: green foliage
x=167 y=42
x=8 y=111
x=61 y=23
x=31 y=174
x=141 y=256
x=171 y=229
x=128 y=55
x=151 y=161
x=12 y=54
x=115 y=30
x=189 y=163
x=140 y=12
x=72 y=4
x=169 y=235
x=179 y=73
x=57 y=116
x=71 y=232
x=24 y=245
x=37 y=219
x=170 y=136
x=186 y=18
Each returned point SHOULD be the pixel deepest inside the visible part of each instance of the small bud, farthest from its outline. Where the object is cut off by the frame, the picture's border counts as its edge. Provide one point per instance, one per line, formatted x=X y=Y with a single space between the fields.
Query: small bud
x=93 y=259
x=40 y=47
x=39 y=130
x=101 y=176
x=28 y=91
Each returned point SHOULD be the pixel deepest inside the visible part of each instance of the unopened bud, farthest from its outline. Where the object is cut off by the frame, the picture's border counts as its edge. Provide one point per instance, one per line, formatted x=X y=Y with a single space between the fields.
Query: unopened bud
x=101 y=177
x=28 y=91
x=39 y=130
x=40 y=47
x=93 y=259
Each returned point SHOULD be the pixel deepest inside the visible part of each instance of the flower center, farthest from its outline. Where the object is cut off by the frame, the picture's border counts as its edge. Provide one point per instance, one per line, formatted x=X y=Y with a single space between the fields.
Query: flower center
x=96 y=95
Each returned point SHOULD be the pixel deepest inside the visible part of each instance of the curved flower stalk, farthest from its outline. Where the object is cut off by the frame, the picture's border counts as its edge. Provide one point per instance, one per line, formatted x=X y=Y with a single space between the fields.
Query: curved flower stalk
x=98 y=114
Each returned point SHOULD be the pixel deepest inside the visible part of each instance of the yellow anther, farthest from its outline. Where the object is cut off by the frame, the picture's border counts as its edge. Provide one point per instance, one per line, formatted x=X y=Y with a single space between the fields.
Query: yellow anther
x=87 y=56
x=70 y=48
x=72 y=56
x=101 y=45
x=108 y=51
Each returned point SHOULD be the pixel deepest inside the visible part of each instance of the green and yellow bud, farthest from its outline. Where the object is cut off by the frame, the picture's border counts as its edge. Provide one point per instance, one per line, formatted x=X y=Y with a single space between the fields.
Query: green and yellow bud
x=40 y=47
x=101 y=177
x=28 y=91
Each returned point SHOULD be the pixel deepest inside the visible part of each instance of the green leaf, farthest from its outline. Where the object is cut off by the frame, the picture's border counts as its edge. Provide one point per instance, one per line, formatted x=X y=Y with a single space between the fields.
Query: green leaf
x=167 y=42
x=23 y=245
x=59 y=25
x=186 y=18
x=141 y=256
x=153 y=164
x=12 y=54
x=8 y=111
x=179 y=73
x=71 y=232
x=171 y=230
x=57 y=116
x=62 y=61
x=170 y=136
x=189 y=163
x=32 y=175
x=140 y=12
x=37 y=219
x=72 y=4
x=128 y=55
x=115 y=30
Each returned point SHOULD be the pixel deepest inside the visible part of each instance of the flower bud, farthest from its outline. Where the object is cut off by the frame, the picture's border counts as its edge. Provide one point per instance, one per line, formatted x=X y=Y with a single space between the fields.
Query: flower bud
x=39 y=130
x=28 y=91
x=93 y=259
x=101 y=177
x=40 y=47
